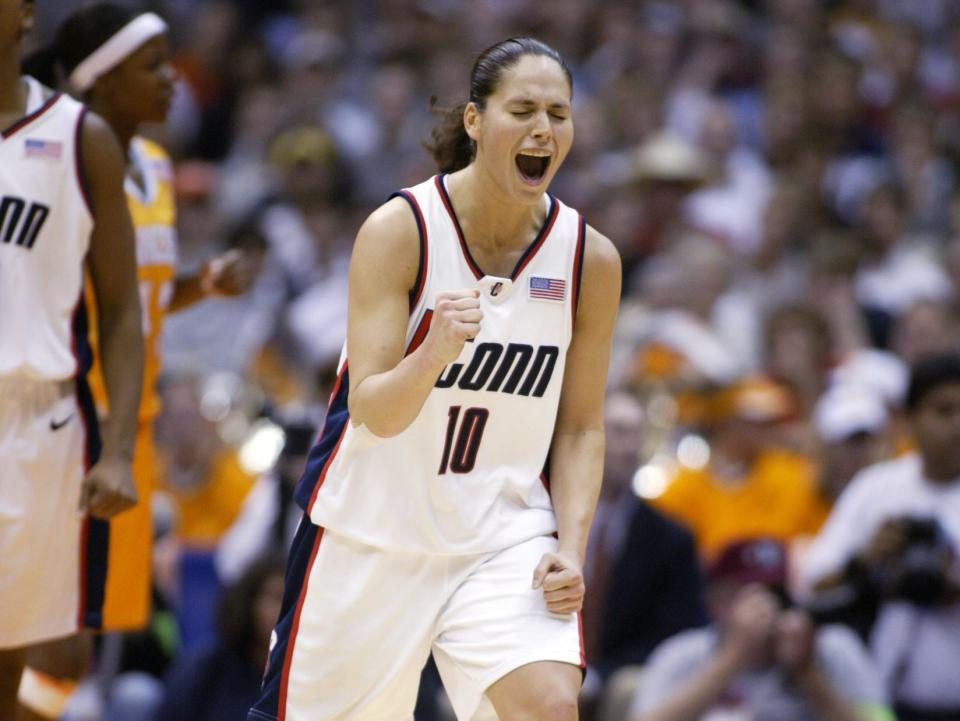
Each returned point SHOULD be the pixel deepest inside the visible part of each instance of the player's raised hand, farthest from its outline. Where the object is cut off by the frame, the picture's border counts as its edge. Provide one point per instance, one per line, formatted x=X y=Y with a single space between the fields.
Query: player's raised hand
x=456 y=319
x=230 y=273
x=560 y=576
x=108 y=488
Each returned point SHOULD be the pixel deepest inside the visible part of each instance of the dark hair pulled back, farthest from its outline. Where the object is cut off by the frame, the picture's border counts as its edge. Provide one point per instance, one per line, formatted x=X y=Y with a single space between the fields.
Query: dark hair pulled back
x=77 y=38
x=450 y=145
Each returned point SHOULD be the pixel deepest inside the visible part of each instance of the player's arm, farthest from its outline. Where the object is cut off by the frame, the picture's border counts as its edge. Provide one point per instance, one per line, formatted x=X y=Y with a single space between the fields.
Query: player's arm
x=387 y=390
x=576 y=454
x=108 y=488
x=225 y=275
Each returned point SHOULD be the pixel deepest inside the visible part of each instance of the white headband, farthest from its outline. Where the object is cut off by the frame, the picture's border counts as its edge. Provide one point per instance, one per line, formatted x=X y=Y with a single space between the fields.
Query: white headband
x=115 y=50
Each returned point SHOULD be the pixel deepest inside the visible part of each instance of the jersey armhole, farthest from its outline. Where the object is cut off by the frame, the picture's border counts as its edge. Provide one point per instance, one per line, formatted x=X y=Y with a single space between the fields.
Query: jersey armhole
x=418 y=285
x=578 y=267
x=79 y=167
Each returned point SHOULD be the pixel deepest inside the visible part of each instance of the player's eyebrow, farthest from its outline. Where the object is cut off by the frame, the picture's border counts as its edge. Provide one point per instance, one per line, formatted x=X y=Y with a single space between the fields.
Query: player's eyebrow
x=526 y=101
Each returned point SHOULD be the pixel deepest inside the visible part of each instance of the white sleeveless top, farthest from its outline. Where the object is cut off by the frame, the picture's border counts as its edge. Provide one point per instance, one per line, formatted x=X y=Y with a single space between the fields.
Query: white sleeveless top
x=45 y=225
x=468 y=474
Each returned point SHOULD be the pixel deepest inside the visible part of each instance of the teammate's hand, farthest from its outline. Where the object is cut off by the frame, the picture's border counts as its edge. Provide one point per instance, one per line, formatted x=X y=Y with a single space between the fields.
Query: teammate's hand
x=108 y=489
x=230 y=273
x=456 y=319
x=560 y=576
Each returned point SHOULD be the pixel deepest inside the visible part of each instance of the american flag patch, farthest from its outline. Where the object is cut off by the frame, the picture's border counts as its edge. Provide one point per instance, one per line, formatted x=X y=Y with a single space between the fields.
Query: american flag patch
x=548 y=288
x=35 y=148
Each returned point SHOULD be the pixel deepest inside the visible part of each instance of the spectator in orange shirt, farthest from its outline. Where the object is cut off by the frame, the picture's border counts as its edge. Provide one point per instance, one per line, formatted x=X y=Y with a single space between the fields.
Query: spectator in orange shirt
x=749 y=486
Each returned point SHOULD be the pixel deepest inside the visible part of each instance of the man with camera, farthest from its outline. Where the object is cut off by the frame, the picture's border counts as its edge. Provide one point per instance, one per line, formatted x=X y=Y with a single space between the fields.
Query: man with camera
x=891 y=544
x=761 y=659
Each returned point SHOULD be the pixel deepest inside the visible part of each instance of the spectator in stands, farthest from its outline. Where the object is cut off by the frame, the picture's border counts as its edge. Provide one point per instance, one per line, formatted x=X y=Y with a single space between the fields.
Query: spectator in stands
x=220 y=681
x=894 y=536
x=761 y=659
x=749 y=485
x=642 y=571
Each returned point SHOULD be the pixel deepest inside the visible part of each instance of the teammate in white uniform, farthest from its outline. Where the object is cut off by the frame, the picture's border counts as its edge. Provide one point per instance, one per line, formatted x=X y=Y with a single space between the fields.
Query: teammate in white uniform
x=61 y=208
x=480 y=319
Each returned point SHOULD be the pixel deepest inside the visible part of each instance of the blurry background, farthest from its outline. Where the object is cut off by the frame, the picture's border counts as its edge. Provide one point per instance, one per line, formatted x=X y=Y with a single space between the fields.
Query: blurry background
x=780 y=177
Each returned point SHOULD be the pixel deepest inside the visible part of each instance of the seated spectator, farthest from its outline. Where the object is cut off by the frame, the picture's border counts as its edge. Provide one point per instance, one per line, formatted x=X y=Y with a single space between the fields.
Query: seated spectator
x=761 y=659
x=220 y=682
x=851 y=424
x=750 y=485
x=633 y=549
x=893 y=539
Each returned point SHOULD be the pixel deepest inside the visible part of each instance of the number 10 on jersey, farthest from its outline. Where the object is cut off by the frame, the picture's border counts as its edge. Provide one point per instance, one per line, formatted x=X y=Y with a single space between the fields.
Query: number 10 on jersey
x=460 y=447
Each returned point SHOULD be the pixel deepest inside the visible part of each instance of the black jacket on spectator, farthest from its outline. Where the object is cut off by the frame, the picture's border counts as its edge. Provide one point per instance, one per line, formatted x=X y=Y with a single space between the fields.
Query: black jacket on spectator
x=656 y=590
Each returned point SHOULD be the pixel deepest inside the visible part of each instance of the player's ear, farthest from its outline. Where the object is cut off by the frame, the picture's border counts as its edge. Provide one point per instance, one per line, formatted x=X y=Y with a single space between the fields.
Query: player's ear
x=472 y=118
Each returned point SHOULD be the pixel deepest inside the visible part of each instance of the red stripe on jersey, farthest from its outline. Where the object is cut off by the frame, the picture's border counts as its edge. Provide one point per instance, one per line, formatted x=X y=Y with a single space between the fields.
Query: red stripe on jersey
x=420 y=333
x=441 y=188
x=294 y=627
x=423 y=263
x=333 y=454
x=539 y=240
x=578 y=266
x=27 y=119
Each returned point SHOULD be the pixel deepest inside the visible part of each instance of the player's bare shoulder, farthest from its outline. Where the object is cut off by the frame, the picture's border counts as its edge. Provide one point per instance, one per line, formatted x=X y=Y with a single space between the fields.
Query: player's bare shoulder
x=101 y=149
x=601 y=269
x=388 y=244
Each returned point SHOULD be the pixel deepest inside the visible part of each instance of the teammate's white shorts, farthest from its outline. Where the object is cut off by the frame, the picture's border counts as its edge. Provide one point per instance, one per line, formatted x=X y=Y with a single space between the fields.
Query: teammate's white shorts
x=51 y=556
x=358 y=624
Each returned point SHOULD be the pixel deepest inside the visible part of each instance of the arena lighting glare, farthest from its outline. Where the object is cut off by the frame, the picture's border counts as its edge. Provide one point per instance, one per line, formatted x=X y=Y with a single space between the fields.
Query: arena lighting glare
x=693 y=452
x=651 y=479
x=262 y=447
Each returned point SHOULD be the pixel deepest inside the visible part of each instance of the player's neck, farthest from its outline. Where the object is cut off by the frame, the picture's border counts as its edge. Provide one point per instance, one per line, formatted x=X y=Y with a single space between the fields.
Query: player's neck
x=121 y=127
x=488 y=219
x=13 y=93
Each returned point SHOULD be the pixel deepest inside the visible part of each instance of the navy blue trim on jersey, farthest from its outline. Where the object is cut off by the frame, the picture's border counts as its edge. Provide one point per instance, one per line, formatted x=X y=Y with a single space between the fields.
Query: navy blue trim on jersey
x=95 y=539
x=338 y=416
x=29 y=118
x=272 y=699
x=527 y=255
x=417 y=290
x=78 y=164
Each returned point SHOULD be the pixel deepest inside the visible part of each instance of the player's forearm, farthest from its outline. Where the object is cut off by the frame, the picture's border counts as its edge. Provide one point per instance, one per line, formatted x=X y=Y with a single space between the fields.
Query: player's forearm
x=576 y=470
x=121 y=349
x=387 y=403
x=187 y=290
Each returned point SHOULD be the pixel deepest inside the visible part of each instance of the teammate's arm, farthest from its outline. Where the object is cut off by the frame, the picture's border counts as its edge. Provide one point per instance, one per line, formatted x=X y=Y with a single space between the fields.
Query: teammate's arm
x=387 y=390
x=108 y=487
x=225 y=275
x=576 y=454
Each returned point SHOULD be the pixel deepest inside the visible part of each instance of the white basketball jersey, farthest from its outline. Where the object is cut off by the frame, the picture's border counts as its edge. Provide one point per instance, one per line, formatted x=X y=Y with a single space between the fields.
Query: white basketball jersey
x=468 y=475
x=45 y=226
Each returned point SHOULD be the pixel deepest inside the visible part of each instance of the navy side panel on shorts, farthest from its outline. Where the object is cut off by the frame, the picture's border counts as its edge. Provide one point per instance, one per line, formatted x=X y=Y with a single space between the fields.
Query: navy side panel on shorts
x=95 y=540
x=270 y=704
x=338 y=415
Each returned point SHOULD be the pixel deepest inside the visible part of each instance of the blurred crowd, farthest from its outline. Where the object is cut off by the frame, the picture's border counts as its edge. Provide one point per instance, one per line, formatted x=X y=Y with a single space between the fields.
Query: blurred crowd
x=780 y=177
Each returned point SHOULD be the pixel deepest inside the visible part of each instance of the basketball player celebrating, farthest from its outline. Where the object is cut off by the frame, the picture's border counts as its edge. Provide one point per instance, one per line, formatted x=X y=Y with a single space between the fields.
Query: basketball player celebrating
x=61 y=208
x=117 y=60
x=480 y=320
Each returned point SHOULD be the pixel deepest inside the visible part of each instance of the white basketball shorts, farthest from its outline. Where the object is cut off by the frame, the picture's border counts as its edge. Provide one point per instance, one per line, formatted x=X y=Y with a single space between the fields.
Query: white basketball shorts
x=52 y=558
x=358 y=624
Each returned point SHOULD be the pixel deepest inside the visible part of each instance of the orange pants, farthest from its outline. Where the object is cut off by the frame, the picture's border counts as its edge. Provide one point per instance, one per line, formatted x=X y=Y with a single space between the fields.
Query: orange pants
x=127 y=602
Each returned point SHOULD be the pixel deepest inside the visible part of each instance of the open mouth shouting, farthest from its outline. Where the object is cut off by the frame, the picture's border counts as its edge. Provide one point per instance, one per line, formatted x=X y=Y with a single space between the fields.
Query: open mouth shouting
x=533 y=165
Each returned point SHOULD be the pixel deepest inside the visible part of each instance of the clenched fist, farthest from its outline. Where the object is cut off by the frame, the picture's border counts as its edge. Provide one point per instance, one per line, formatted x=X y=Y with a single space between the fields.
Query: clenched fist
x=456 y=319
